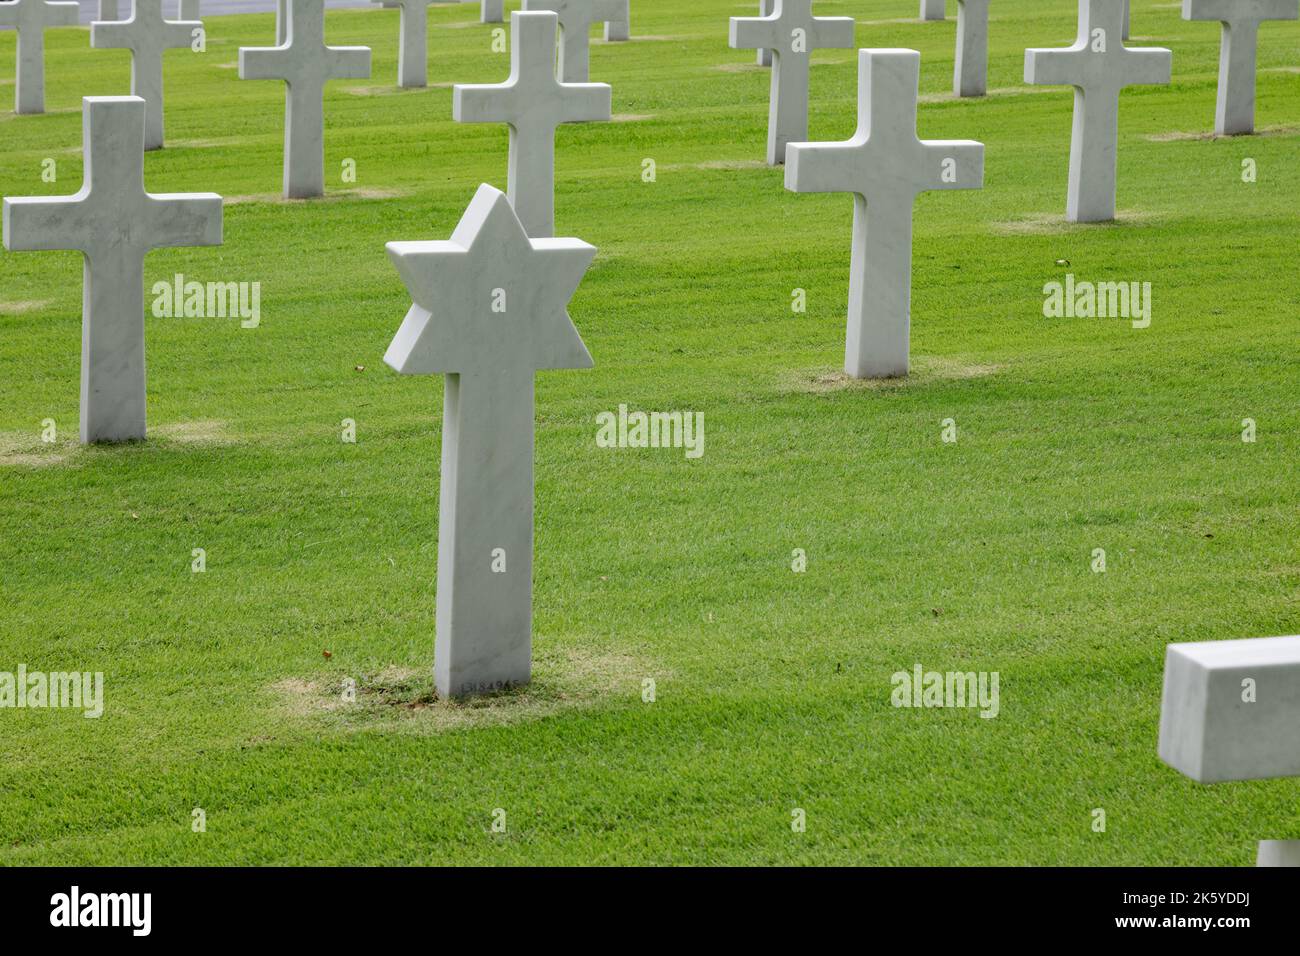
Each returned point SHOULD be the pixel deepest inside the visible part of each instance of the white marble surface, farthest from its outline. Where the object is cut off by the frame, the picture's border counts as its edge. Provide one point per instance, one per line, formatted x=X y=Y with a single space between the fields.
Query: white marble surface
x=305 y=63
x=884 y=166
x=970 y=72
x=791 y=33
x=533 y=102
x=1234 y=111
x=1098 y=66
x=932 y=10
x=31 y=18
x=489 y=308
x=146 y=33
x=1209 y=732
x=114 y=222
x=576 y=19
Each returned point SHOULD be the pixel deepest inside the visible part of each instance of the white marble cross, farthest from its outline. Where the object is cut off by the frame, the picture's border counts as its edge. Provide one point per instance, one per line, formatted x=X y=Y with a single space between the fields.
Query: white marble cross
x=31 y=18
x=146 y=34
x=305 y=63
x=970 y=73
x=791 y=32
x=1230 y=710
x=620 y=28
x=113 y=222
x=413 y=48
x=489 y=309
x=1235 y=110
x=1098 y=66
x=885 y=166
x=534 y=103
x=576 y=18
x=932 y=10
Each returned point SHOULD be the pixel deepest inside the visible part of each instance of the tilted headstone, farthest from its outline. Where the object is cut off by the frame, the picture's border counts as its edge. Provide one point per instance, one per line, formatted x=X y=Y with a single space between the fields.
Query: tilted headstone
x=1098 y=66
x=534 y=102
x=113 y=222
x=932 y=10
x=885 y=166
x=621 y=28
x=492 y=11
x=31 y=18
x=1234 y=112
x=971 y=71
x=146 y=34
x=305 y=63
x=489 y=309
x=791 y=32
x=1230 y=710
x=576 y=18
x=413 y=47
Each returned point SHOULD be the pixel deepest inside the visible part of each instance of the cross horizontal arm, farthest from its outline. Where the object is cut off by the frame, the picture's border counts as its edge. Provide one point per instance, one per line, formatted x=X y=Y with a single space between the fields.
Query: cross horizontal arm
x=1226 y=11
x=347 y=62
x=1054 y=67
x=262 y=63
x=586 y=102
x=954 y=163
x=183 y=219
x=824 y=167
x=757 y=33
x=484 y=103
x=44 y=223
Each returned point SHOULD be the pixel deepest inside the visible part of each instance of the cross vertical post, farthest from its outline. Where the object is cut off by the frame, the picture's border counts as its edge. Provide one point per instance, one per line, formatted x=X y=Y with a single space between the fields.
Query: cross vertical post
x=146 y=34
x=533 y=102
x=114 y=223
x=1098 y=66
x=1234 y=112
x=970 y=72
x=932 y=10
x=576 y=18
x=305 y=63
x=885 y=166
x=30 y=18
x=791 y=33
x=413 y=49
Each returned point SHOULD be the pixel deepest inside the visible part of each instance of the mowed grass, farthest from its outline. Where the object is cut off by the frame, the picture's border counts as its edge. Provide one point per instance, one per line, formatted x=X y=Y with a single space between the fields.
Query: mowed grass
x=772 y=688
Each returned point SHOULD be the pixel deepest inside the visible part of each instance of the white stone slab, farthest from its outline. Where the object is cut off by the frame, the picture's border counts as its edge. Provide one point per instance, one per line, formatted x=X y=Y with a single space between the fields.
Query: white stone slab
x=489 y=308
x=791 y=33
x=1098 y=66
x=146 y=34
x=114 y=223
x=620 y=29
x=884 y=166
x=1279 y=853
x=533 y=102
x=305 y=63
x=1234 y=112
x=932 y=10
x=971 y=70
x=1210 y=731
x=492 y=11
x=413 y=41
x=31 y=18
x=576 y=19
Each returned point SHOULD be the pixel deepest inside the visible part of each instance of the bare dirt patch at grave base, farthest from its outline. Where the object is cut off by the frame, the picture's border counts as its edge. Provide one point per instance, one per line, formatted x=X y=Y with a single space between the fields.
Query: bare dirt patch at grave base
x=752 y=67
x=330 y=195
x=1178 y=137
x=391 y=89
x=207 y=432
x=26 y=305
x=1052 y=223
x=564 y=679
x=630 y=117
x=925 y=370
x=26 y=450
x=999 y=92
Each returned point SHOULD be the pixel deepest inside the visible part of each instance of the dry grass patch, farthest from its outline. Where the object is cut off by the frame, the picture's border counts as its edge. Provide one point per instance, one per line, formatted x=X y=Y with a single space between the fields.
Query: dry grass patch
x=925 y=370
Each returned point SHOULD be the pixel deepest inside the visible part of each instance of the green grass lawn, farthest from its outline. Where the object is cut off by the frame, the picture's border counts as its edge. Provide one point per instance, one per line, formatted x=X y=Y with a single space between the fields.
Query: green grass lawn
x=772 y=688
